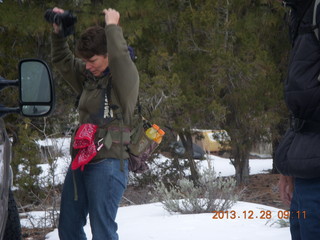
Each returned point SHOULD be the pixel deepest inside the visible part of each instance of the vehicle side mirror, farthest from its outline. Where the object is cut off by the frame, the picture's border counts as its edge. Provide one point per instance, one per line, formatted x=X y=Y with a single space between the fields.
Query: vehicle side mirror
x=36 y=88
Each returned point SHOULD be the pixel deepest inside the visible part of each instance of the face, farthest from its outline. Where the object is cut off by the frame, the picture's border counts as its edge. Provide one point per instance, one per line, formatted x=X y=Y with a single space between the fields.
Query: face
x=97 y=64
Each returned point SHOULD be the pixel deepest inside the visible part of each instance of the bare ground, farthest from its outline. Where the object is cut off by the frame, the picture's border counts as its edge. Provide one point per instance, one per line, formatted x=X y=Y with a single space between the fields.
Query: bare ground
x=263 y=189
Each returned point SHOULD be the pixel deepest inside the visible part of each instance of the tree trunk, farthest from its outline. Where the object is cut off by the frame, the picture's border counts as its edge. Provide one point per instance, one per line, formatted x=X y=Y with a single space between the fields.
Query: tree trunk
x=187 y=143
x=242 y=171
x=241 y=165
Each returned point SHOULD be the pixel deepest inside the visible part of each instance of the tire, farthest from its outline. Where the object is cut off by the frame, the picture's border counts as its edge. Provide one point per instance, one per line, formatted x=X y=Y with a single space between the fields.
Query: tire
x=13 y=226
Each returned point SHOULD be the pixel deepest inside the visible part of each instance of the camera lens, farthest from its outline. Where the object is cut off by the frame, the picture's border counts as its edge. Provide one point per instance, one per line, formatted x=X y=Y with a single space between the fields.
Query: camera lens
x=52 y=17
x=65 y=20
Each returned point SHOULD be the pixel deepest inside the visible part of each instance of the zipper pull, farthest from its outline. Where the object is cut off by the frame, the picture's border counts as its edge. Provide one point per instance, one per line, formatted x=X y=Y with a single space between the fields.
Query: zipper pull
x=99 y=144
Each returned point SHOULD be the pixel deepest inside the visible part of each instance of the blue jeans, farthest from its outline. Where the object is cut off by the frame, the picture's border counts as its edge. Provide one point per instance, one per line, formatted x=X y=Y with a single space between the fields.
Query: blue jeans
x=305 y=210
x=99 y=189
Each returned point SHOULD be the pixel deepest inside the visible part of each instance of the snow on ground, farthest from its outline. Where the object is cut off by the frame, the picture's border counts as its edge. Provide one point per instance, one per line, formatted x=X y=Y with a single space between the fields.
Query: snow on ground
x=61 y=163
x=223 y=166
x=152 y=222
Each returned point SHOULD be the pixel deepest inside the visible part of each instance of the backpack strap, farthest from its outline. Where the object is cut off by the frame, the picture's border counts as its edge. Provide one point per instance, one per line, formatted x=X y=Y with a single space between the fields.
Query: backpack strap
x=109 y=106
x=121 y=123
x=139 y=107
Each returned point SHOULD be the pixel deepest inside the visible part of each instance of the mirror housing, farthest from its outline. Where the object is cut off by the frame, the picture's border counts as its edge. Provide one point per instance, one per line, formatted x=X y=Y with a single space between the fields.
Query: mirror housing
x=36 y=90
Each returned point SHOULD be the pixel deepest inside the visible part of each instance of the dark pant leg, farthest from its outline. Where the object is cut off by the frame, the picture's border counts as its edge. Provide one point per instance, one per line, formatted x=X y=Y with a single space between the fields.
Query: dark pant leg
x=305 y=212
x=294 y=221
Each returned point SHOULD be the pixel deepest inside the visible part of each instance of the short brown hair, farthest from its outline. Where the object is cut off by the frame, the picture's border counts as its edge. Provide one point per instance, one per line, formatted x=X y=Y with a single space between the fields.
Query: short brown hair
x=92 y=42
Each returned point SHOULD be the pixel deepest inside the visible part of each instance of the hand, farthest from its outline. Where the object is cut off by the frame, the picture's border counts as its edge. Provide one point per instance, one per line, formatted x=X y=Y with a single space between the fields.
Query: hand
x=286 y=189
x=56 y=28
x=111 y=16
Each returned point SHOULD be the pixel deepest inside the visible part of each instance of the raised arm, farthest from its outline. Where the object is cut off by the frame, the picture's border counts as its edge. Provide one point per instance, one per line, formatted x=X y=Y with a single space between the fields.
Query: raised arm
x=125 y=78
x=64 y=60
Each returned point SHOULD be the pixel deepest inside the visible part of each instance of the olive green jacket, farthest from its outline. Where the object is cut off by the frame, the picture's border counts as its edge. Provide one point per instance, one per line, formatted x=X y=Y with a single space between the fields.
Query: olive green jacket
x=92 y=90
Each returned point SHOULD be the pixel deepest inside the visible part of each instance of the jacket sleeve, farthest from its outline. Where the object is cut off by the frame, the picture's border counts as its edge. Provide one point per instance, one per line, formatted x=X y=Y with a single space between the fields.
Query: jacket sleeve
x=125 y=78
x=66 y=63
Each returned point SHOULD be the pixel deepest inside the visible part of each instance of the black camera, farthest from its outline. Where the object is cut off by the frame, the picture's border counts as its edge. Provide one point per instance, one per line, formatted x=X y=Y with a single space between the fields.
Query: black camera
x=65 y=21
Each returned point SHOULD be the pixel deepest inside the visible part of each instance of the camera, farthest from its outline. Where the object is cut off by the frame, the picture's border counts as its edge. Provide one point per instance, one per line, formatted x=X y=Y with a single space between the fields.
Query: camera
x=65 y=21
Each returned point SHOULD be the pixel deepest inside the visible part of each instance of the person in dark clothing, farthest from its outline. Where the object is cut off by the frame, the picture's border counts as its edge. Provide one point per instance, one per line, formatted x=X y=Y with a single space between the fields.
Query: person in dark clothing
x=298 y=155
x=98 y=175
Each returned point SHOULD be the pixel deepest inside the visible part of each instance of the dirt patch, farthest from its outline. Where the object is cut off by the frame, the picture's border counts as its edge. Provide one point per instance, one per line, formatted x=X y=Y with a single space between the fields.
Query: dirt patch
x=263 y=189
x=35 y=233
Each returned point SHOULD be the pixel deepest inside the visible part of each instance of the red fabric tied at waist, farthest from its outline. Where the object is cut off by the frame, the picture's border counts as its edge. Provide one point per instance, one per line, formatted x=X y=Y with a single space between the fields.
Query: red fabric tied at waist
x=84 y=141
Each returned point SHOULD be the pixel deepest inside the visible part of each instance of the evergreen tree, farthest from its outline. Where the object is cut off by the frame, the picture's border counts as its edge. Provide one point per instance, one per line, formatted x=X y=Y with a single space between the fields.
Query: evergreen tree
x=252 y=90
x=202 y=63
x=213 y=64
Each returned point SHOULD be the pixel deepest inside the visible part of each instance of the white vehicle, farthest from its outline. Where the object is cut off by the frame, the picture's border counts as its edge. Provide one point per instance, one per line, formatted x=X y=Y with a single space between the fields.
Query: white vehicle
x=36 y=100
